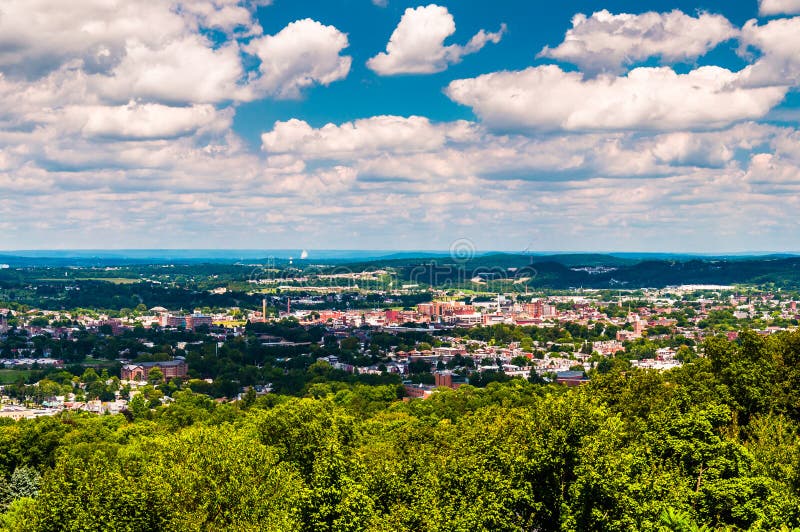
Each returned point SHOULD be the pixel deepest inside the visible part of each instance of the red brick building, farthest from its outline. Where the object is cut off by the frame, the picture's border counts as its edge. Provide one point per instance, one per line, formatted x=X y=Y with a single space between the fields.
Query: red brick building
x=196 y=320
x=170 y=368
x=448 y=379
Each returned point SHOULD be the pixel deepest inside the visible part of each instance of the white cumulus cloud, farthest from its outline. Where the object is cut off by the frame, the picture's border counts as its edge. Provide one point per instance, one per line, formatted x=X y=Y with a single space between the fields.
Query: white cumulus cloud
x=303 y=54
x=777 y=41
x=549 y=98
x=186 y=71
x=417 y=44
x=378 y=134
x=118 y=50
x=36 y=37
x=229 y=16
x=144 y=121
x=605 y=42
x=39 y=36
x=778 y=7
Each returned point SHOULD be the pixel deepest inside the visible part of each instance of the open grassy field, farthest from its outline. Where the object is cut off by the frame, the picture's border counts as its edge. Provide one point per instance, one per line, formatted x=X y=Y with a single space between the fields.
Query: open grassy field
x=10 y=376
x=229 y=324
x=113 y=280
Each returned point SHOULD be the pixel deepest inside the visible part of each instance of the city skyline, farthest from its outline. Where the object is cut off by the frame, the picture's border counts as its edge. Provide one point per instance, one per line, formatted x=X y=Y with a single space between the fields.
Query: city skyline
x=392 y=125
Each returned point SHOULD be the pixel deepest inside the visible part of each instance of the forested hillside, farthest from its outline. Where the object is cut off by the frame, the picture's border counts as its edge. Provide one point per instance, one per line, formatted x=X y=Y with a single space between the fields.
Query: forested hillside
x=712 y=444
x=569 y=271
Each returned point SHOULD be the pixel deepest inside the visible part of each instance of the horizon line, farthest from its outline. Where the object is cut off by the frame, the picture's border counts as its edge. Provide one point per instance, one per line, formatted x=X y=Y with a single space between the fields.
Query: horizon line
x=417 y=250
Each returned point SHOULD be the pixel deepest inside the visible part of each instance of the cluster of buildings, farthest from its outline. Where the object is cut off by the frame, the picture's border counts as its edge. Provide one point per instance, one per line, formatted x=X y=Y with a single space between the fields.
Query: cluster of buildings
x=164 y=318
x=649 y=314
x=584 y=310
x=133 y=376
x=446 y=312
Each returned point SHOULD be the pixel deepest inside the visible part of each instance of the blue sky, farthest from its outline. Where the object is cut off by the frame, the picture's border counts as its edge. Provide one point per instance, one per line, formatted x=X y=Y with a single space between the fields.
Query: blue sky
x=342 y=124
x=531 y=26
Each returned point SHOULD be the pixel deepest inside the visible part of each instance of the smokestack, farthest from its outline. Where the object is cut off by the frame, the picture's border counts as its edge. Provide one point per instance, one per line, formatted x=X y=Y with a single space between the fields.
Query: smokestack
x=264 y=309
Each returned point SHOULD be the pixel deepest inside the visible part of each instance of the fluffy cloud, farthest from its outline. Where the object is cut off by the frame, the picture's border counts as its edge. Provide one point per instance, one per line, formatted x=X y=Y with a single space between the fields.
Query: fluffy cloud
x=158 y=51
x=777 y=41
x=184 y=71
x=417 y=44
x=229 y=16
x=416 y=150
x=379 y=134
x=39 y=36
x=771 y=170
x=144 y=121
x=549 y=98
x=778 y=7
x=606 y=42
x=302 y=54
x=776 y=180
x=610 y=188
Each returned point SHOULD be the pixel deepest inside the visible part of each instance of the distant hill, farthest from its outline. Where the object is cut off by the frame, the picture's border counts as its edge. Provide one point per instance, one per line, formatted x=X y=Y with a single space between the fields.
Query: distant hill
x=558 y=271
x=587 y=259
x=596 y=270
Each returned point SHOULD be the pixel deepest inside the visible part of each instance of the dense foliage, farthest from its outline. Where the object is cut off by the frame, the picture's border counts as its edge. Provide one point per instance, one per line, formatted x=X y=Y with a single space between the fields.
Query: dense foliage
x=712 y=444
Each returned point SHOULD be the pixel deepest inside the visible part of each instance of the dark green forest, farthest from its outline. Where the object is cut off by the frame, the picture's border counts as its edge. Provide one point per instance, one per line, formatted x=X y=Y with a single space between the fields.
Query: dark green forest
x=566 y=271
x=712 y=445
